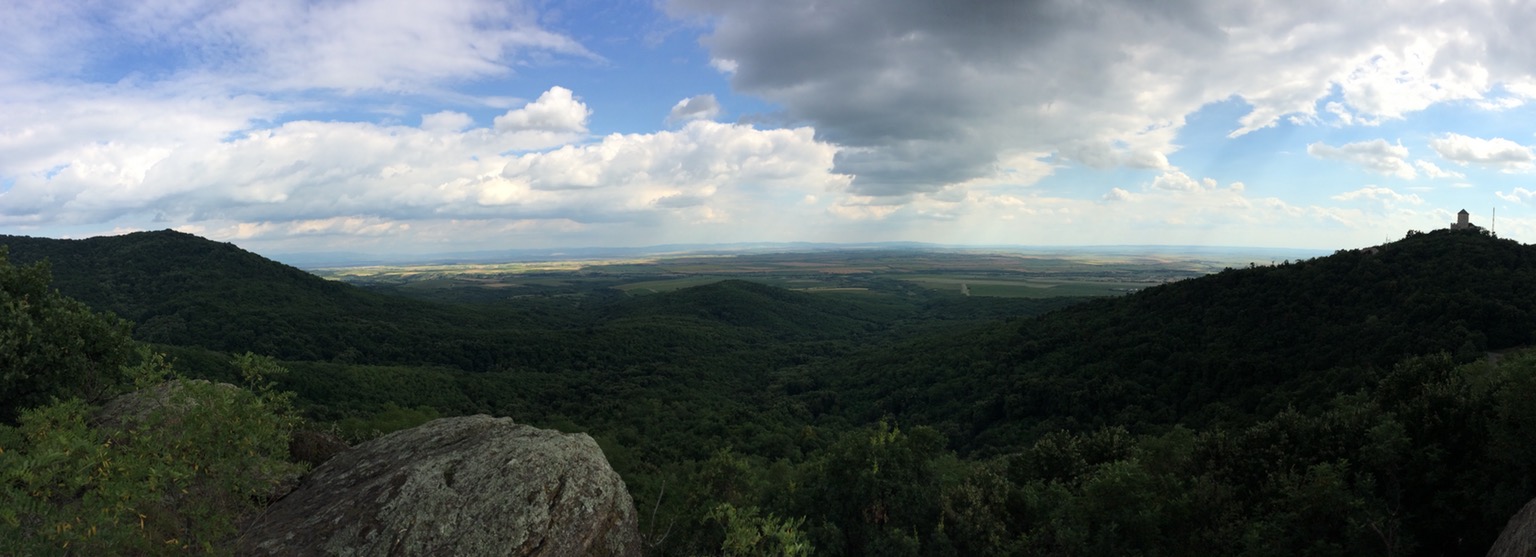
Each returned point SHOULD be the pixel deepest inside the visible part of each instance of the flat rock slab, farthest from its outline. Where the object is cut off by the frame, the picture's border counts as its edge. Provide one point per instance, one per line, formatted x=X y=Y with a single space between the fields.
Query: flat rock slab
x=463 y=486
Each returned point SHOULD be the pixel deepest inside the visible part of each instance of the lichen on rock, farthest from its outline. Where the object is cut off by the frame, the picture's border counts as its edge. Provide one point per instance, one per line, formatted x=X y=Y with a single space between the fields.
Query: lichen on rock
x=472 y=485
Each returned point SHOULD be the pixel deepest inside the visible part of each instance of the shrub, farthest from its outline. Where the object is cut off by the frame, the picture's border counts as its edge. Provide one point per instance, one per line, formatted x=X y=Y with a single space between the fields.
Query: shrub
x=181 y=476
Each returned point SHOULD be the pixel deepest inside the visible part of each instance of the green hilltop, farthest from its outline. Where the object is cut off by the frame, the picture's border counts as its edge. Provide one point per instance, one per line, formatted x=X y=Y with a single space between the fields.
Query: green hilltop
x=1223 y=348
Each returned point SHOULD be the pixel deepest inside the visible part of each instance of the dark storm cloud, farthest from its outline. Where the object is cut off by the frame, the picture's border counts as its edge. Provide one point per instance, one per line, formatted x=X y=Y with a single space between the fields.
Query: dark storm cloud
x=927 y=93
x=947 y=83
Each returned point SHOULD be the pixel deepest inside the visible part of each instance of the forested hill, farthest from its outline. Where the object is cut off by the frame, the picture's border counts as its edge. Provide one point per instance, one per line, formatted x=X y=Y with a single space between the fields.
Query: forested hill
x=1225 y=348
x=186 y=290
x=129 y=273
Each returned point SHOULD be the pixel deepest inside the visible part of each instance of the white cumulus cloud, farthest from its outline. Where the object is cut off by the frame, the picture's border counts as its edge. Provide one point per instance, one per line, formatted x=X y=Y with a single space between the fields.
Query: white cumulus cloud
x=306 y=176
x=1381 y=195
x=557 y=110
x=1517 y=195
x=390 y=45
x=446 y=121
x=1376 y=156
x=1498 y=153
x=1432 y=170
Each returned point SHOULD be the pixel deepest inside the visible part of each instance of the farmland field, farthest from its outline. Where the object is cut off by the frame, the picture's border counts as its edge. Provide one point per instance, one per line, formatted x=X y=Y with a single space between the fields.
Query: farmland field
x=960 y=272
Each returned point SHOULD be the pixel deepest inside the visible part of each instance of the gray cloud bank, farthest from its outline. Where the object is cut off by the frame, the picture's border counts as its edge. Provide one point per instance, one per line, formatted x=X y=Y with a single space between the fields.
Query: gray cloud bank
x=926 y=93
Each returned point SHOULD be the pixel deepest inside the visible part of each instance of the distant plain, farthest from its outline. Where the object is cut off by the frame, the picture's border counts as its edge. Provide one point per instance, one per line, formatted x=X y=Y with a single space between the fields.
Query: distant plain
x=1039 y=273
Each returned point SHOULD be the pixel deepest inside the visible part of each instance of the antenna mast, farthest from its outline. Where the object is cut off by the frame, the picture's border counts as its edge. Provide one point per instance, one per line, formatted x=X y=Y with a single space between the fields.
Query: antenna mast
x=1493 y=223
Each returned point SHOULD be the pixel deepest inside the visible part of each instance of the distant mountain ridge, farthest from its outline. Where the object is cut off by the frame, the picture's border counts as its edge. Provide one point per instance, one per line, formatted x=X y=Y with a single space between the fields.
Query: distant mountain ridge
x=750 y=304
x=324 y=260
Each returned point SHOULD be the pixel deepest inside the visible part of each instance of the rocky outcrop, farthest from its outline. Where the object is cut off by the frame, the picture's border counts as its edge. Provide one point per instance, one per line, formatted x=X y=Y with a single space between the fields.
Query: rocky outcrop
x=1519 y=536
x=315 y=447
x=466 y=486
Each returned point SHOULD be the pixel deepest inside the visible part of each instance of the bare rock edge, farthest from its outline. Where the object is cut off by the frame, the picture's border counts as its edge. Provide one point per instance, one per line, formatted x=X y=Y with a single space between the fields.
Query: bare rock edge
x=473 y=485
x=1519 y=536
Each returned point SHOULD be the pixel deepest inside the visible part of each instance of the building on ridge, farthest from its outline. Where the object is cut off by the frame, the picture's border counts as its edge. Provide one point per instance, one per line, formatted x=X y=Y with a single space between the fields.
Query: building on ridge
x=1461 y=221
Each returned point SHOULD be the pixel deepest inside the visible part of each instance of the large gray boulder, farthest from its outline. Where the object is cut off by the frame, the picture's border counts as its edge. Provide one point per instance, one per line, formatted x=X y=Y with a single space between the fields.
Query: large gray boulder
x=464 y=486
x=1519 y=536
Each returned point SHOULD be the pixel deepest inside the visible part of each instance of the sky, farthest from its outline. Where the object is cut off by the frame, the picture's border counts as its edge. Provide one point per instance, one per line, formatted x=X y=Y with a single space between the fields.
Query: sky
x=403 y=127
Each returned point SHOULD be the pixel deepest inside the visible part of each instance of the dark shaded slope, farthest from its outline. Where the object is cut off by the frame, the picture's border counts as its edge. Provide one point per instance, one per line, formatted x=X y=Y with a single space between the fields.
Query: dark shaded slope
x=185 y=290
x=1225 y=348
x=131 y=274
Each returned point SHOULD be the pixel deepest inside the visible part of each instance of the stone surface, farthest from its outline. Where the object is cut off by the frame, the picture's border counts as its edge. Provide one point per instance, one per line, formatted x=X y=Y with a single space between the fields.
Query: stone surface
x=1519 y=536
x=465 y=486
x=315 y=447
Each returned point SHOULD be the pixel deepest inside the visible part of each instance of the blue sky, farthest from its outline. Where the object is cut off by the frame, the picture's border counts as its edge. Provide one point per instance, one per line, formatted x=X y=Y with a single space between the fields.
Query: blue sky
x=415 y=127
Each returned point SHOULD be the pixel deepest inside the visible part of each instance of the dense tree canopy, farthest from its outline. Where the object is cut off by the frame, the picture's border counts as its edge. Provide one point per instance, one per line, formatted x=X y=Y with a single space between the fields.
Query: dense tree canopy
x=53 y=346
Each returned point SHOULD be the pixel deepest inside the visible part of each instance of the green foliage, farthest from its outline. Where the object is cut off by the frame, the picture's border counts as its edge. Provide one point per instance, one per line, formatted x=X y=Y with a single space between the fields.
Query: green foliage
x=875 y=491
x=53 y=346
x=179 y=478
x=727 y=478
x=748 y=533
x=389 y=418
x=1407 y=467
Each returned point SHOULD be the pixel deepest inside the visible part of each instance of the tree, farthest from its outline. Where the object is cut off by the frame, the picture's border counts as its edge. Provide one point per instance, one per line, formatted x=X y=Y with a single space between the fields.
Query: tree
x=52 y=346
x=875 y=492
x=750 y=534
